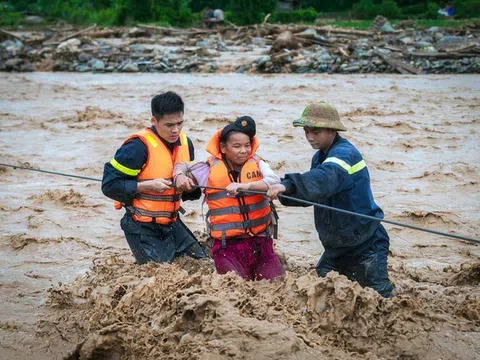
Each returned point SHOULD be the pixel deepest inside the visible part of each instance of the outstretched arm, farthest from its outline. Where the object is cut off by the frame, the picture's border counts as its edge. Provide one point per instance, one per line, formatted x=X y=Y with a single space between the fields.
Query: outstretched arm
x=320 y=182
x=269 y=178
x=186 y=175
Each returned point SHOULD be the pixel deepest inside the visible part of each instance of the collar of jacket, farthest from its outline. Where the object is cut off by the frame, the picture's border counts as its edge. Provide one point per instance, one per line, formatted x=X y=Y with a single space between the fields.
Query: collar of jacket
x=335 y=141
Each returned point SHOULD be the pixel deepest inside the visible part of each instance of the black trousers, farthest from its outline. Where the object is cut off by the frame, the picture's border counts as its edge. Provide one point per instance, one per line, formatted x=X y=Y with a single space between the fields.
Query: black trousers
x=160 y=243
x=366 y=263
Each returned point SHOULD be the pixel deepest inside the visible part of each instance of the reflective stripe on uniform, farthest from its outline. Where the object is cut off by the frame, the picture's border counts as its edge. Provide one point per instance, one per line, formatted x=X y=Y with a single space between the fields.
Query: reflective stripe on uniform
x=350 y=169
x=123 y=169
x=239 y=209
x=248 y=224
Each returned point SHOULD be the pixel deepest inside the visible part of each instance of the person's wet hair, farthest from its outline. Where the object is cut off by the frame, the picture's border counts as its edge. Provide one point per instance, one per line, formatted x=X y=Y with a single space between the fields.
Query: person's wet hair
x=167 y=103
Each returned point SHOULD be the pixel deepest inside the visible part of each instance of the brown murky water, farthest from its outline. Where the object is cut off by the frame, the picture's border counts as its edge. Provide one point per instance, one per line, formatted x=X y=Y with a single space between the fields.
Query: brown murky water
x=419 y=137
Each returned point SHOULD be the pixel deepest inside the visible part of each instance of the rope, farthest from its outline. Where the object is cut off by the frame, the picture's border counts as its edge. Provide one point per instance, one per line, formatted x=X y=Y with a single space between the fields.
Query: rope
x=51 y=172
x=459 y=237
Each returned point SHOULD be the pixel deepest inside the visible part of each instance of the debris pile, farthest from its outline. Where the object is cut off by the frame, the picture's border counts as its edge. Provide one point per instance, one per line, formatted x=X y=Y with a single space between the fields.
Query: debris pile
x=264 y=48
x=406 y=50
x=186 y=311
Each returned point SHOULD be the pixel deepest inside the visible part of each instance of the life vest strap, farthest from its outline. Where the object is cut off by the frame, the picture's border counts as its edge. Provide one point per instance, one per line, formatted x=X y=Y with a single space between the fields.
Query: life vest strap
x=224 y=240
x=216 y=196
x=152 y=197
x=153 y=214
x=223 y=194
x=244 y=209
x=241 y=225
x=274 y=219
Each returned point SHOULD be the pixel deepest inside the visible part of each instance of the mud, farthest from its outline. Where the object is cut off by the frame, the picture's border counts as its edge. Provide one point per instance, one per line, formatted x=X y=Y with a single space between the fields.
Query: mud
x=70 y=288
x=165 y=311
x=71 y=197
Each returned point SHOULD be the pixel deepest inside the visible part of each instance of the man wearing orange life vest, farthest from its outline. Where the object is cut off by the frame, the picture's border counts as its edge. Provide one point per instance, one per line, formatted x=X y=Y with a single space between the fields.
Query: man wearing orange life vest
x=239 y=223
x=139 y=178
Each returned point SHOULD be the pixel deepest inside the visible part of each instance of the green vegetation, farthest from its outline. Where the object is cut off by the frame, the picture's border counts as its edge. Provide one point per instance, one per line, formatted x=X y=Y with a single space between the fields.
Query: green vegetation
x=469 y=8
x=10 y=18
x=297 y=16
x=186 y=13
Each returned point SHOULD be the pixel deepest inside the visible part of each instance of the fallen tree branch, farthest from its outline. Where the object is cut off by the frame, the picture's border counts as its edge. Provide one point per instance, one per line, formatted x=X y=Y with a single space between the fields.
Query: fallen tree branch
x=77 y=33
x=231 y=24
x=156 y=29
x=442 y=55
x=330 y=29
x=65 y=38
x=343 y=52
x=398 y=64
x=266 y=19
x=11 y=34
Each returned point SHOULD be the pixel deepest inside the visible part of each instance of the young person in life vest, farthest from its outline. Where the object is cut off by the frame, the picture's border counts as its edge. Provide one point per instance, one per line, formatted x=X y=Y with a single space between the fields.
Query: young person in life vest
x=139 y=178
x=239 y=223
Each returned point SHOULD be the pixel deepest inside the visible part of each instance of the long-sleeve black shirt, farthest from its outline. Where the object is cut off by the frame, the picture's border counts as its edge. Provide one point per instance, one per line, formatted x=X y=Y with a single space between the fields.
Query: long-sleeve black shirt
x=133 y=155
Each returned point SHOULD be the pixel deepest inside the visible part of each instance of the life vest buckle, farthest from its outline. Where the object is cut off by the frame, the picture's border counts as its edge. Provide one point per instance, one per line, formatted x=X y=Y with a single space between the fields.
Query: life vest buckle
x=247 y=224
x=244 y=209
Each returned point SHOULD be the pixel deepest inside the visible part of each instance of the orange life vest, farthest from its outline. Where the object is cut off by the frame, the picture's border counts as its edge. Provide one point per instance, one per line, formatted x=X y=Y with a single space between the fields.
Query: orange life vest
x=228 y=216
x=161 y=208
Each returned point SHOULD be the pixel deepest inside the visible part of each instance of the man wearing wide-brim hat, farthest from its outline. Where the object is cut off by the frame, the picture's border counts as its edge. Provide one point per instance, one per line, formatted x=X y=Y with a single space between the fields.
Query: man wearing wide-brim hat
x=355 y=247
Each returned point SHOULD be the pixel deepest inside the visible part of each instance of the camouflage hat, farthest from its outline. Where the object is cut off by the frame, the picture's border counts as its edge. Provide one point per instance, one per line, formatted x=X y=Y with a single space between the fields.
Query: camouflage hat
x=320 y=115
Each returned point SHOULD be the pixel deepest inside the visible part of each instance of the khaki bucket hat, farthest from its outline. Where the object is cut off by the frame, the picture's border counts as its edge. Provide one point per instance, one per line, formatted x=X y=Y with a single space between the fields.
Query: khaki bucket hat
x=320 y=115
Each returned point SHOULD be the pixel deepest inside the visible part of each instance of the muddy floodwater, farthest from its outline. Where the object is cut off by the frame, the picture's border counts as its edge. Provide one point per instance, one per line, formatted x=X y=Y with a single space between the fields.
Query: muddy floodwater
x=69 y=287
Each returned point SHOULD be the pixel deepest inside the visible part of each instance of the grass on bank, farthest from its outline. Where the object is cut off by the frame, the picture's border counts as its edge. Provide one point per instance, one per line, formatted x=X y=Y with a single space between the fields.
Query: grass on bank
x=106 y=18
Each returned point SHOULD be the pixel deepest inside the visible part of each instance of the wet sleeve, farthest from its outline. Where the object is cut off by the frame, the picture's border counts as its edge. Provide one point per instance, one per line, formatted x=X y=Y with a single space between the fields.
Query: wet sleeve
x=269 y=176
x=197 y=193
x=323 y=181
x=120 y=173
x=199 y=172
